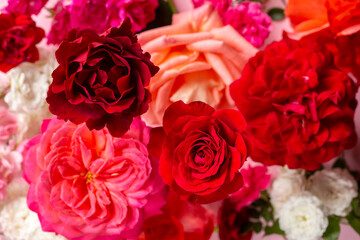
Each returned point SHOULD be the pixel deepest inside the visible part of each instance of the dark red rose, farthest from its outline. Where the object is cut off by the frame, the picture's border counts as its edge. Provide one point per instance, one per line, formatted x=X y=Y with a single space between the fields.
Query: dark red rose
x=345 y=48
x=101 y=80
x=299 y=106
x=203 y=151
x=232 y=223
x=347 y=54
x=163 y=226
x=18 y=37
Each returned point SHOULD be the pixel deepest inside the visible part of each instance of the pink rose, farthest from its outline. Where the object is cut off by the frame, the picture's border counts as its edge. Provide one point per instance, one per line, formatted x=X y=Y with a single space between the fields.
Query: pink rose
x=256 y=178
x=198 y=57
x=89 y=185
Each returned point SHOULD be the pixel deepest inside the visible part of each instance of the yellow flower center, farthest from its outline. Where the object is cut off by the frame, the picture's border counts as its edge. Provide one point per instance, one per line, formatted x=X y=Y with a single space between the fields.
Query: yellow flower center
x=89 y=177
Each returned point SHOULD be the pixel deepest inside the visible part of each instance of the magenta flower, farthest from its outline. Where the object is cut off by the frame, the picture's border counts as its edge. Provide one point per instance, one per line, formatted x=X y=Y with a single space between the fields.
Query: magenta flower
x=249 y=20
x=89 y=185
x=140 y=12
x=220 y=5
x=255 y=179
x=89 y=14
x=60 y=25
x=27 y=7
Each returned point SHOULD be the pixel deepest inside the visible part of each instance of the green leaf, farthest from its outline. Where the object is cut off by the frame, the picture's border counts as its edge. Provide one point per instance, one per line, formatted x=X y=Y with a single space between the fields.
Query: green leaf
x=276 y=14
x=340 y=163
x=257 y=226
x=172 y=6
x=265 y=213
x=333 y=229
x=354 y=221
x=163 y=15
x=355 y=204
x=246 y=227
x=259 y=203
x=274 y=229
x=253 y=213
x=52 y=12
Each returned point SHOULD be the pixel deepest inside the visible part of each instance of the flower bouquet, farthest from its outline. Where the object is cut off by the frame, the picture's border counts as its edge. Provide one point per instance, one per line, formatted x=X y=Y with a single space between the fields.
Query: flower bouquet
x=179 y=120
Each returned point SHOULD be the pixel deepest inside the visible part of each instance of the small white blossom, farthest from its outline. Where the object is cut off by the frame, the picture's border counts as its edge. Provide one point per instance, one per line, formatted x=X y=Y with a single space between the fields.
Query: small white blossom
x=29 y=83
x=288 y=183
x=19 y=223
x=302 y=218
x=335 y=188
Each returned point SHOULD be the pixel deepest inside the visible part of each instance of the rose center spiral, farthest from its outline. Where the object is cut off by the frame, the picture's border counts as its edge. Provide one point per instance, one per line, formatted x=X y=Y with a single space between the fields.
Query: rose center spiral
x=200 y=157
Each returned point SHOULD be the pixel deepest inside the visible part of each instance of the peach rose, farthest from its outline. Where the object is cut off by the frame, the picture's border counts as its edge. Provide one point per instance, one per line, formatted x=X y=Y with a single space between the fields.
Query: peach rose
x=307 y=16
x=198 y=57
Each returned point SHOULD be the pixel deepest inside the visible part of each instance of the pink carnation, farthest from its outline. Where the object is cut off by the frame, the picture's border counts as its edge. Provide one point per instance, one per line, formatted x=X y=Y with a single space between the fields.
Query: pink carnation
x=60 y=25
x=220 y=5
x=8 y=126
x=27 y=7
x=140 y=12
x=89 y=14
x=99 y=15
x=89 y=185
x=10 y=167
x=256 y=179
x=249 y=20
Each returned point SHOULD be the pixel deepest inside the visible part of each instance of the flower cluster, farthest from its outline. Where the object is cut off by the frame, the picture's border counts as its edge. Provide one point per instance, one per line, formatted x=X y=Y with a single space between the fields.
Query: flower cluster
x=99 y=15
x=303 y=205
x=179 y=132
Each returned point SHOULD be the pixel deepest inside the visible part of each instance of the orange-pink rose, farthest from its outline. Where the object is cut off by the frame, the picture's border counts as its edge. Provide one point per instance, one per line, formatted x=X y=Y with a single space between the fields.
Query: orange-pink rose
x=198 y=57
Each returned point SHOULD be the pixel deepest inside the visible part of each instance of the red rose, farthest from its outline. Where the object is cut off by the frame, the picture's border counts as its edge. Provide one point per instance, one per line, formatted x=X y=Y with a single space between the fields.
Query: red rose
x=18 y=37
x=101 y=80
x=203 y=151
x=298 y=105
x=181 y=220
x=163 y=226
x=232 y=223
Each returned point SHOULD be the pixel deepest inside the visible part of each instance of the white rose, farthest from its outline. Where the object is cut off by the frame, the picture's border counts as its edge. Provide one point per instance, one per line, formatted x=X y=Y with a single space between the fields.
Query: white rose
x=19 y=223
x=335 y=188
x=287 y=184
x=29 y=83
x=301 y=218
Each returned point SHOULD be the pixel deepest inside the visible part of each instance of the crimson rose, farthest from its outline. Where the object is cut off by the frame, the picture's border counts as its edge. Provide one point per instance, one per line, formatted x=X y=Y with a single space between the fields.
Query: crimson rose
x=203 y=151
x=18 y=37
x=233 y=222
x=101 y=80
x=299 y=107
